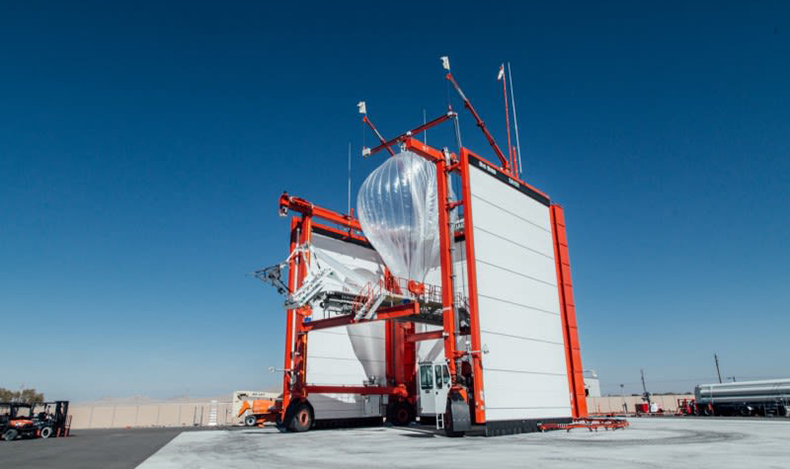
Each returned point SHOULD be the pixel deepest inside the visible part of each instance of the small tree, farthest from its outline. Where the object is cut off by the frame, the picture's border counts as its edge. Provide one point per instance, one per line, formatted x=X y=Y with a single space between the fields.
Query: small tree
x=30 y=396
x=6 y=395
x=26 y=396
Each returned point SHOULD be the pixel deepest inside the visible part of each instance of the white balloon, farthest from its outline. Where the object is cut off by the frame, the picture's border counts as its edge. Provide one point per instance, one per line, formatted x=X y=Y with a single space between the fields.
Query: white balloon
x=398 y=211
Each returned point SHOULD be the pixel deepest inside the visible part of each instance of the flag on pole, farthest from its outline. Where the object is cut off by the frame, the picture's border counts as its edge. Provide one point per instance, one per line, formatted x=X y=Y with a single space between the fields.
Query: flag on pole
x=362 y=108
x=501 y=73
x=445 y=62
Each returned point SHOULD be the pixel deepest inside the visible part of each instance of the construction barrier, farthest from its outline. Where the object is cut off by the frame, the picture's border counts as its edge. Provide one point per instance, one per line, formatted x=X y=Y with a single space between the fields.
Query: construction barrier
x=191 y=414
x=614 y=404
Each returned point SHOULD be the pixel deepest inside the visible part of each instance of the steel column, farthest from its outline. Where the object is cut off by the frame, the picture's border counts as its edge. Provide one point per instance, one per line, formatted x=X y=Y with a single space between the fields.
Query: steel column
x=445 y=255
x=568 y=314
x=290 y=317
x=471 y=272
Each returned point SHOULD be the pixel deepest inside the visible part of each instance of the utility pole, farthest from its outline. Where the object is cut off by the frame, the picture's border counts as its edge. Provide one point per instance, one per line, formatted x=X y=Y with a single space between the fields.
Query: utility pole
x=646 y=395
x=718 y=372
x=625 y=406
x=349 y=178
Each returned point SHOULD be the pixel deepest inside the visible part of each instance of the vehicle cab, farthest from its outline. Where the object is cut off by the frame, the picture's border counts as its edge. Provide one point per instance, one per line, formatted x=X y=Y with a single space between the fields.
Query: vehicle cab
x=434 y=382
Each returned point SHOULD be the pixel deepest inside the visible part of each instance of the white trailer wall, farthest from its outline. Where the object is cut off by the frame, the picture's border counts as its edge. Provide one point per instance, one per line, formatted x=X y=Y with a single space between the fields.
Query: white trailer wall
x=347 y=355
x=525 y=372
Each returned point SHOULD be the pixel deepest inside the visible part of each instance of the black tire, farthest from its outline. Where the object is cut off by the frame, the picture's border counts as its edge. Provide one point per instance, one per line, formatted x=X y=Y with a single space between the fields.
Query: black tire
x=450 y=433
x=301 y=418
x=746 y=411
x=250 y=420
x=278 y=423
x=400 y=414
x=457 y=418
x=46 y=432
x=10 y=434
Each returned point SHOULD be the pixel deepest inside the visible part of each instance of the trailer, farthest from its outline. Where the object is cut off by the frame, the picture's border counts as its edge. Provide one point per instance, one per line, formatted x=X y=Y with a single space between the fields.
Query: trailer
x=745 y=398
x=484 y=338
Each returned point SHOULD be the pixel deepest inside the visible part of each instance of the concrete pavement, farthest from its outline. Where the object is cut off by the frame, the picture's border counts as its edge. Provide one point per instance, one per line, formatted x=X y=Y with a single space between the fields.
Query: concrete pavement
x=649 y=442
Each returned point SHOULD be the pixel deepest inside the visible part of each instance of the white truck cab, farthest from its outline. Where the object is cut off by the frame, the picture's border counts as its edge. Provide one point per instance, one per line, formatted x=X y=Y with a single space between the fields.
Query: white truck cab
x=434 y=382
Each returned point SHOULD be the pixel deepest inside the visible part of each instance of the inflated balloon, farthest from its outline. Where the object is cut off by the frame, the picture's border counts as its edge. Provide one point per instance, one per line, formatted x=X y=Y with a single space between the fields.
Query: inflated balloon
x=398 y=211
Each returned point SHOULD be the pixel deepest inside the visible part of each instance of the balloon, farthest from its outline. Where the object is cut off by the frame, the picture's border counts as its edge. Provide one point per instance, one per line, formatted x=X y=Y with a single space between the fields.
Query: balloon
x=398 y=212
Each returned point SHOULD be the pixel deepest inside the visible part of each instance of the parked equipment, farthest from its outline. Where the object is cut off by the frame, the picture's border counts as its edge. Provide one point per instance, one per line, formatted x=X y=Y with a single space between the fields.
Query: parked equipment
x=745 y=398
x=256 y=411
x=448 y=297
x=46 y=420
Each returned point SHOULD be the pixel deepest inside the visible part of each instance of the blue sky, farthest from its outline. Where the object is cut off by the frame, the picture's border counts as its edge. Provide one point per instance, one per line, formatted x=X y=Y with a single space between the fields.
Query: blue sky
x=143 y=147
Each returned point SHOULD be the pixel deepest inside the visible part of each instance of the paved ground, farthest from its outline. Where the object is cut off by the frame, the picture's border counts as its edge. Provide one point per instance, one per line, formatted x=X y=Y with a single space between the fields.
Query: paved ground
x=87 y=449
x=649 y=442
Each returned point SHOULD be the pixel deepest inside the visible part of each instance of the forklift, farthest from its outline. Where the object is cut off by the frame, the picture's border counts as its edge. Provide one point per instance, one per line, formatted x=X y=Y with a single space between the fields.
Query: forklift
x=45 y=420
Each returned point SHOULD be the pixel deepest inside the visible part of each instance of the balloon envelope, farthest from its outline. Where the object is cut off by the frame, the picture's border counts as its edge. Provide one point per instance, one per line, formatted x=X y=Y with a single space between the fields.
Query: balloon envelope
x=398 y=211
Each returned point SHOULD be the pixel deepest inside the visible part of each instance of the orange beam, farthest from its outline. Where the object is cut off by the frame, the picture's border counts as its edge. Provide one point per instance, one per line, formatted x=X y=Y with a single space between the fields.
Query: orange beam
x=422 y=149
x=410 y=133
x=289 y=321
x=480 y=123
x=425 y=336
x=382 y=314
x=362 y=390
x=471 y=270
x=297 y=204
x=398 y=311
x=349 y=234
x=446 y=262
x=568 y=315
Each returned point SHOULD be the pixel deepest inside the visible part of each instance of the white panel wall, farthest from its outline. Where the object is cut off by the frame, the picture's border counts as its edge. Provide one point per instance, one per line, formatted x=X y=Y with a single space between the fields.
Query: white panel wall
x=332 y=359
x=525 y=374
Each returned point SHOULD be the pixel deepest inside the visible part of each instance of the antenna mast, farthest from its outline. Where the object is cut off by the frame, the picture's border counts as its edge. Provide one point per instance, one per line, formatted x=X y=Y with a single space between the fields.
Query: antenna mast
x=468 y=105
x=515 y=119
x=716 y=358
x=646 y=395
x=510 y=156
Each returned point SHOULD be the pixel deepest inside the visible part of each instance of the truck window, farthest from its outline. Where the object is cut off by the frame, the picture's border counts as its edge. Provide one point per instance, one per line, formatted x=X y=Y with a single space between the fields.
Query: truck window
x=438 y=369
x=426 y=376
x=446 y=374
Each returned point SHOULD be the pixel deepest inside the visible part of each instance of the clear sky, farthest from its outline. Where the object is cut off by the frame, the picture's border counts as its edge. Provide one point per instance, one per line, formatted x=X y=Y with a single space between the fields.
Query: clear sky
x=143 y=146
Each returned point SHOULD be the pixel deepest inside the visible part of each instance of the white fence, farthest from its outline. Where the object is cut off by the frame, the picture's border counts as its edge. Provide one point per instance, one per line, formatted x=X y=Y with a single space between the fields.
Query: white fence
x=612 y=404
x=152 y=415
x=199 y=414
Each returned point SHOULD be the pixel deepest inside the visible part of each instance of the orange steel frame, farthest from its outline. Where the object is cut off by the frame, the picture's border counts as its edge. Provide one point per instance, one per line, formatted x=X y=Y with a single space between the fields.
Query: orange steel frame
x=400 y=336
x=570 y=330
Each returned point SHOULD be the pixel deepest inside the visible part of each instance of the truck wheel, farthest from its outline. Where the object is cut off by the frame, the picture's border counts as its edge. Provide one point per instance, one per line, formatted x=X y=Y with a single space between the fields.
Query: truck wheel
x=10 y=434
x=250 y=420
x=746 y=411
x=302 y=418
x=400 y=414
x=457 y=418
x=46 y=432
